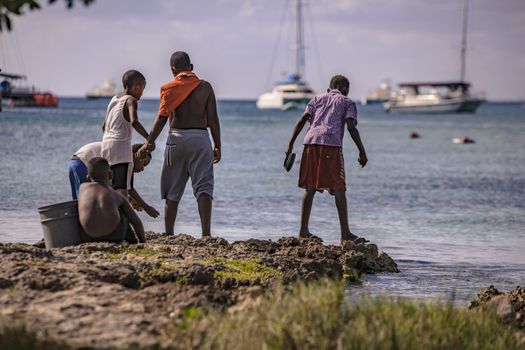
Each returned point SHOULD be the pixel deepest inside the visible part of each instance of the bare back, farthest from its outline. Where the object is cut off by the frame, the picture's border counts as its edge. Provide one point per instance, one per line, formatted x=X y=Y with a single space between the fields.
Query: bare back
x=197 y=110
x=98 y=208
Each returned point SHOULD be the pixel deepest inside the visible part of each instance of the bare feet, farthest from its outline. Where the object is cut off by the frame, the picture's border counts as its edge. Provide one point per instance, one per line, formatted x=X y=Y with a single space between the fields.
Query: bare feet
x=310 y=236
x=305 y=235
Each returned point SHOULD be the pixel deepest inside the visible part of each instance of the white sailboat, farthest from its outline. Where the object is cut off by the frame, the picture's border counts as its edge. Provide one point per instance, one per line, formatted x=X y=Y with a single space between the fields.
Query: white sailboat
x=293 y=92
x=426 y=97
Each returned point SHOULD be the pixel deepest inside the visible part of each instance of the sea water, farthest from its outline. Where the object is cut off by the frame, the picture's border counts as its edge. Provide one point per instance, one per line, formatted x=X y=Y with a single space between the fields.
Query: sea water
x=451 y=215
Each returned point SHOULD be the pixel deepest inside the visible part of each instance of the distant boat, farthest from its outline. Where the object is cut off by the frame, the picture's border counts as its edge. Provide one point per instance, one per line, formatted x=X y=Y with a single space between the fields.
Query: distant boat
x=412 y=97
x=381 y=95
x=107 y=89
x=20 y=95
x=292 y=93
x=455 y=99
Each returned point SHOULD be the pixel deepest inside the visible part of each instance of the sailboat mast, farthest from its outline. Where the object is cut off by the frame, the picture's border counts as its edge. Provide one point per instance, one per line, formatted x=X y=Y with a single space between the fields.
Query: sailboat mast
x=464 y=41
x=299 y=44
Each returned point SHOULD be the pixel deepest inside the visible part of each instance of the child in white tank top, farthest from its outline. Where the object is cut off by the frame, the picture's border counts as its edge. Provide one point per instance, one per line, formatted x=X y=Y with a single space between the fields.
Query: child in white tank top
x=121 y=118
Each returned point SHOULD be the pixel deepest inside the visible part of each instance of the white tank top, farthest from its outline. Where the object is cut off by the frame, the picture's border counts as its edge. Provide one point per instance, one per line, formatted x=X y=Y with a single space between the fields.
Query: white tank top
x=116 y=141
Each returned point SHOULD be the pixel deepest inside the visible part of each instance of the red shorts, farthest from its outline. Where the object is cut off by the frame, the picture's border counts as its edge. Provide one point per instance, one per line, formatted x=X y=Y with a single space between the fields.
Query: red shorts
x=322 y=168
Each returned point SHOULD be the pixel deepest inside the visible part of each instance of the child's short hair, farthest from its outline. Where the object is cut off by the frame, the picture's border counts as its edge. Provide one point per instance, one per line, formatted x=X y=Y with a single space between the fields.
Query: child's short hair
x=131 y=78
x=339 y=81
x=98 y=169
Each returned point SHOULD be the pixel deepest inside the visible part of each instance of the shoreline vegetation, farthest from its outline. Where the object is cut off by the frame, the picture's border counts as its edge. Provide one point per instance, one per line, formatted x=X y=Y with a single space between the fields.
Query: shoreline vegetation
x=185 y=293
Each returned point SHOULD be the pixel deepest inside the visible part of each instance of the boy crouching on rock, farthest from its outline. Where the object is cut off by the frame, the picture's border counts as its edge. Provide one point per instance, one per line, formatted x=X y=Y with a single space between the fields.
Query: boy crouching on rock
x=105 y=215
x=322 y=166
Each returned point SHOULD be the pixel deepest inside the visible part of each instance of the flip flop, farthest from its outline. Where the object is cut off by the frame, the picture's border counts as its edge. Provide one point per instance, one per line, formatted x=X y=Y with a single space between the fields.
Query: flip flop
x=288 y=161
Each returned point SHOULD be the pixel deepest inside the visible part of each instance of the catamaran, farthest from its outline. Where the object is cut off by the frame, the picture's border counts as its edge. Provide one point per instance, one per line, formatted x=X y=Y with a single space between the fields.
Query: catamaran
x=439 y=97
x=294 y=92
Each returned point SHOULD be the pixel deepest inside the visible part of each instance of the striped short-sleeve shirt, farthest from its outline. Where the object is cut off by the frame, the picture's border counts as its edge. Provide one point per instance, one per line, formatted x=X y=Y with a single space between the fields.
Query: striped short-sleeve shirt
x=328 y=115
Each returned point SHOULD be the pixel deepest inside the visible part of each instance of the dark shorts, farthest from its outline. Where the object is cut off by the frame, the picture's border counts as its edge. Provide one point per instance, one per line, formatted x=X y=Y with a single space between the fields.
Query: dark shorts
x=122 y=176
x=322 y=168
x=123 y=232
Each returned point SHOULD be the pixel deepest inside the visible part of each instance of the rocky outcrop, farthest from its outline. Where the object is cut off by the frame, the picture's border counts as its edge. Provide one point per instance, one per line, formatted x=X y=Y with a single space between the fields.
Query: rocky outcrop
x=509 y=307
x=111 y=295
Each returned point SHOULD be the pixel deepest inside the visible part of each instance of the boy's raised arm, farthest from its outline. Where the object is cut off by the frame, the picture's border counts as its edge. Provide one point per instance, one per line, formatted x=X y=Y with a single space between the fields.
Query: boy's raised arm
x=354 y=133
x=297 y=130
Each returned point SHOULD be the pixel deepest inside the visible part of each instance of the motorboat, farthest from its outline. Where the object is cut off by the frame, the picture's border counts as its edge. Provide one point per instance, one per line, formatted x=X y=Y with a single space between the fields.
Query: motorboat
x=434 y=97
x=19 y=94
x=439 y=97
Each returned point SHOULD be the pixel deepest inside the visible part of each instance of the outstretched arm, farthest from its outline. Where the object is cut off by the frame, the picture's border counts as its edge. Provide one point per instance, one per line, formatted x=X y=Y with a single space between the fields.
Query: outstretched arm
x=213 y=123
x=354 y=133
x=133 y=218
x=132 y=107
x=296 y=131
x=147 y=208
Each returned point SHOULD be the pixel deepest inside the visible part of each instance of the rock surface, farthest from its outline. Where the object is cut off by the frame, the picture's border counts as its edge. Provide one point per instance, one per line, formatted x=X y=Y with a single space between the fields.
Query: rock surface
x=123 y=296
x=509 y=307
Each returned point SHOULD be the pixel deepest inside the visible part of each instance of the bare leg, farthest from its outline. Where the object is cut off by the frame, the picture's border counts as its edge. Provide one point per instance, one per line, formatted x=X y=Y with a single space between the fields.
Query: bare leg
x=342 y=210
x=204 y=203
x=170 y=215
x=305 y=212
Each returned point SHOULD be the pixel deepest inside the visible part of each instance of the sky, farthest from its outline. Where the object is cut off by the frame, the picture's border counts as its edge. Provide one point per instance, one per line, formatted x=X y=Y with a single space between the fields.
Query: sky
x=233 y=43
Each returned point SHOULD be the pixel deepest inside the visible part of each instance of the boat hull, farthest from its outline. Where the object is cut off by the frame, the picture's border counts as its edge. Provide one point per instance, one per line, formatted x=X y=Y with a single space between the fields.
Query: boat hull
x=42 y=100
x=442 y=106
x=373 y=101
x=274 y=101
